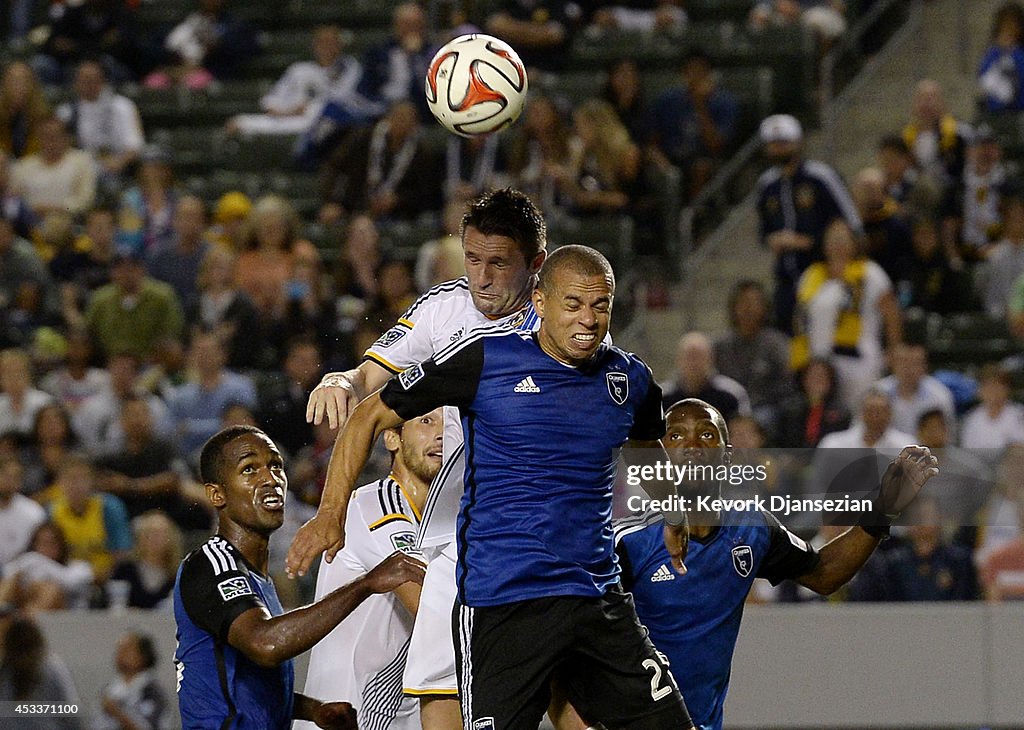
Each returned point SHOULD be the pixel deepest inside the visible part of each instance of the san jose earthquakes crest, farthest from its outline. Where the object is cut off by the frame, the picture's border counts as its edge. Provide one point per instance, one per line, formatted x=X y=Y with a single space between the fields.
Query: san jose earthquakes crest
x=618 y=387
x=743 y=560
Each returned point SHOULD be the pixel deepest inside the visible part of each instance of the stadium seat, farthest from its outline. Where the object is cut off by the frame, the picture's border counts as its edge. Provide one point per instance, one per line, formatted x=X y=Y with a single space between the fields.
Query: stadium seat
x=970 y=339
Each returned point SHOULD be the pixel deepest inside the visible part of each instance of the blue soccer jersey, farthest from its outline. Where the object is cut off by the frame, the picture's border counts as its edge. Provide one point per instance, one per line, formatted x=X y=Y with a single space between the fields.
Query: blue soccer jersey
x=694 y=619
x=219 y=688
x=540 y=456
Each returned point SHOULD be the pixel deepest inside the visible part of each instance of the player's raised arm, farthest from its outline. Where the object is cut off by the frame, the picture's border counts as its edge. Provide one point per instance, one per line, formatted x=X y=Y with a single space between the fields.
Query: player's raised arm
x=841 y=558
x=326 y=530
x=338 y=393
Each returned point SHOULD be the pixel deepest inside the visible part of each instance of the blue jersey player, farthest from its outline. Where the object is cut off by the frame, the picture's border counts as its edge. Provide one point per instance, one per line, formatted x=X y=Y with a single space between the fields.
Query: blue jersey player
x=695 y=618
x=537 y=578
x=235 y=644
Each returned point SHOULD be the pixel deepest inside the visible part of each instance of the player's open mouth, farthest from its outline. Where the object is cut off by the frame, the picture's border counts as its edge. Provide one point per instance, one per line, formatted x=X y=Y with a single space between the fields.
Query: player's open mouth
x=584 y=338
x=437 y=454
x=272 y=501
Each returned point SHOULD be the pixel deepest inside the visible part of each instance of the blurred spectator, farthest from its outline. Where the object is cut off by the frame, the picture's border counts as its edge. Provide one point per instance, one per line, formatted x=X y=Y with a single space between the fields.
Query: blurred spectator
x=134 y=699
x=926 y=278
x=1005 y=262
x=158 y=553
x=27 y=294
x=756 y=355
x=623 y=89
x=220 y=307
x=473 y=165
x=1001 y=519
x=972 y=207
x=145 y=219
x=98 y=242
x=797 y=199
x=132 y=312
x=97 y=423
x=298 y=97
x=12 y=205
x=20 y=400
x=177 y=262
x=197 y=406
x=442 y=259
x=167 y=370
x=144 y=473
x=695 y=377
x=845 y=307
x=1002 y=570
x=541 y=32
x=46 y=577
x=104 y=123
x=29 y=672
x=230 y=219
x=872 y=429
x=209 y=44
x=272 y=253
x=925 y=568
x=886 y=232
x=915 y=194
x=23 y=108
x=937 y=139
x=57 y=178
x=645 y=16
x=604 y=163
x=386 y=171
x=49 y=444
x=76 y=379
x=95 y=524
x=911 y=390
x=817 y=411
x=540 y=145
x=997 y=421
x=825 y=18
x=695 y=122
x=19 y=515
x=58 y=245
x=395 y=294
x=1001 y=71
x=308 y=468
x=282 y=403
x=356 y=272
x=966 y=479
x=394 y=70
x=102 y=30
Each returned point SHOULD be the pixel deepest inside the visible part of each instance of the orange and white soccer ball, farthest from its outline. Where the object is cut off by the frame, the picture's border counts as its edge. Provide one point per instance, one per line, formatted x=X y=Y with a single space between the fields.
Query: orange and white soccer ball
x=476 y=84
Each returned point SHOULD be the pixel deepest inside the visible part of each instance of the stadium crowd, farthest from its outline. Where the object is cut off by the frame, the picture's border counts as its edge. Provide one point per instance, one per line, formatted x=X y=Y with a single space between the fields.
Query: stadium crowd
x=139 y=318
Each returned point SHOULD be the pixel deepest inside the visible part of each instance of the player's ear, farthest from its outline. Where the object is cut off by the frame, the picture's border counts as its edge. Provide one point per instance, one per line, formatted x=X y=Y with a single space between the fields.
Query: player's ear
x=538 y=302
x=215 y=493
x=392 y=439
x=538 y=261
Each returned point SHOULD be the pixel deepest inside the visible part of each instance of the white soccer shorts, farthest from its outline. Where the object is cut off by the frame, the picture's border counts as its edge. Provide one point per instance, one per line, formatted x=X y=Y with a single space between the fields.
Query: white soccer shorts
x=430 y=664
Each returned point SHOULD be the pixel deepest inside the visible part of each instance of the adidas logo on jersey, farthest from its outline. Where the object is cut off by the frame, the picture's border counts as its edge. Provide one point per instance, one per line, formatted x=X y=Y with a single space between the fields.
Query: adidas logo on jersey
x=526 y=385
x=662 y=574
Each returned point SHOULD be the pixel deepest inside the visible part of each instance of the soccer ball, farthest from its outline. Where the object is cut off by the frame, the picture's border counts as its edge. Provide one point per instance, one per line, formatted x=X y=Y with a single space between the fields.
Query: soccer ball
x=476 y=84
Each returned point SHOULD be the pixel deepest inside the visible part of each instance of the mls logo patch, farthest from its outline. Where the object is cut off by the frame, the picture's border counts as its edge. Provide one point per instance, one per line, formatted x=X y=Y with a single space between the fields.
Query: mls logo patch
x=484 y=723
x=233 y=588
x=390 y=337
x=408 y=378
x=404 y=541
x=743 y=560
x=618 y=387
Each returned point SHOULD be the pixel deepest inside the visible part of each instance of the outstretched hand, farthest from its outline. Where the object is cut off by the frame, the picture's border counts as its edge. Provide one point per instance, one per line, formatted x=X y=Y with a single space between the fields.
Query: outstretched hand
x=324 y=532
x=334 y=397
x=905 y=477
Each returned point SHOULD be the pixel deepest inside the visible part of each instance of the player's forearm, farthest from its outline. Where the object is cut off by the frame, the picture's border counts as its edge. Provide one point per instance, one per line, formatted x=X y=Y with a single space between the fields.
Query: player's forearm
x=839 y=561
x=290 y=634
x=352 y=449
x=304 y=707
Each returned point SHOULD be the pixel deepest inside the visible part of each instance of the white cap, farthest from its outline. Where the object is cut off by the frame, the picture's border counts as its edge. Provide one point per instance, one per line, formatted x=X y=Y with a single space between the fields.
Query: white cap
x=781 y=128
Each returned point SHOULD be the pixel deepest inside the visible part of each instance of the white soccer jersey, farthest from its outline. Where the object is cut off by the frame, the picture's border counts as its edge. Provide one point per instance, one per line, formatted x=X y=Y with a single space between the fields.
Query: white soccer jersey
x=362 y=660
x=437 y=319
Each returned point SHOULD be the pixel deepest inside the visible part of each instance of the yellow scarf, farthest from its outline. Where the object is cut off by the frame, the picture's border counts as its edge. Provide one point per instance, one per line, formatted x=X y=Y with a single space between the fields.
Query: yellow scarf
x=86 y=533
x=947 y=133
x=848 y=326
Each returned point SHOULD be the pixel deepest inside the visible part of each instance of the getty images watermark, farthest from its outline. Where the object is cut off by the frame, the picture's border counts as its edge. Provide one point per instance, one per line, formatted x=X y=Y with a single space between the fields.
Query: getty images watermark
x=815 y=487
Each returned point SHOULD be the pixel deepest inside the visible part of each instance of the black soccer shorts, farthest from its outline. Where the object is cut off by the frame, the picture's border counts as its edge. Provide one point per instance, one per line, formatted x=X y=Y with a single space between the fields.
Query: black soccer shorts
x=506 y=657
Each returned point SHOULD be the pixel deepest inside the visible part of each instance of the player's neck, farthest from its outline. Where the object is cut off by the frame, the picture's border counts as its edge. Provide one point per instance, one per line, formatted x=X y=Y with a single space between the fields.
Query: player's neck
x=413 y=489
x=253 y=546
